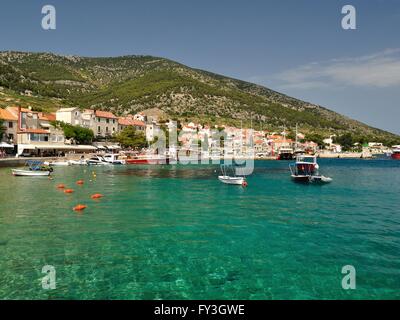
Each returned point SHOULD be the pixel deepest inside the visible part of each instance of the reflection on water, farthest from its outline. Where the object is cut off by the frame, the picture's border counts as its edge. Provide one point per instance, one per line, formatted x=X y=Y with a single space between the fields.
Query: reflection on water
x=172 y=171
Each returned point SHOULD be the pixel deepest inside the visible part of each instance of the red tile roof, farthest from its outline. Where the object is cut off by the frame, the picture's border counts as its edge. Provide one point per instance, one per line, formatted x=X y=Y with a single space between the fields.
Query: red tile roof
x=15 y=110
x=7 y=115
x=104 y=114
x=130 y=122
x=47 y=116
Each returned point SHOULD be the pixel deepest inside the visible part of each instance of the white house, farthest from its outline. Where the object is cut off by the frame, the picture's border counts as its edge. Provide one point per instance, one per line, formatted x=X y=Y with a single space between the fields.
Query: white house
x=69 y=115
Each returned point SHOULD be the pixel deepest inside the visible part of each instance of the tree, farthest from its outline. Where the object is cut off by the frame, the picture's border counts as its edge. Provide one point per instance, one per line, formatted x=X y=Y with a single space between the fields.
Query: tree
x=80 y=134
x=129 y=137
x=2 y=129
x=83 y=135
x=346 y=141
x=317 y=138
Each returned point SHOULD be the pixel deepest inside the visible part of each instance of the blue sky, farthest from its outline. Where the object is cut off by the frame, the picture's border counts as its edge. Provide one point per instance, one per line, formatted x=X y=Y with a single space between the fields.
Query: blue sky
x=294 y=46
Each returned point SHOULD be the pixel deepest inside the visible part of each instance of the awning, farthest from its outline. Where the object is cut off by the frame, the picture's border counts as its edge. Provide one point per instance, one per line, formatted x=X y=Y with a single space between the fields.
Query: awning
x=55 y=146
x=6 y=145
x=100 y=147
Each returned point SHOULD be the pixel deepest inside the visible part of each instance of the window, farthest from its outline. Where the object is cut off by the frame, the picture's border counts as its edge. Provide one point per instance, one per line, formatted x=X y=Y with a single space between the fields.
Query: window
x=38 y=137
x=113 y=129
x=113 y=120
x=98 y=129
x=10 y=136
x=106 y=129
x=10 y=125
x=98 y=119
x=107 y=120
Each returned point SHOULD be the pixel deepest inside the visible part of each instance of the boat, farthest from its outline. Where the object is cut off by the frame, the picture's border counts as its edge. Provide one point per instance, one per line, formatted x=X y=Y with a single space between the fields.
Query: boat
x=395 y=152
x=306 y=170
x=79 y=162
x=112 y=158
x=285 y=153
x=229 y=176
x=33 y=169
x=57 y=163
x=147 y=159
x=26 y=173
x=96 y=160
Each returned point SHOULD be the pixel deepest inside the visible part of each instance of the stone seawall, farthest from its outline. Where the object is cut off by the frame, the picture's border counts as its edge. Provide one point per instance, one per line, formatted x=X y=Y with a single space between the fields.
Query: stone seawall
x=19 y=162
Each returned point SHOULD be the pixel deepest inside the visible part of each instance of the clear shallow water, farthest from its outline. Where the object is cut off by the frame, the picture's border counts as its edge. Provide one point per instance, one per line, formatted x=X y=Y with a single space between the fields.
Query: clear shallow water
x=175 y=232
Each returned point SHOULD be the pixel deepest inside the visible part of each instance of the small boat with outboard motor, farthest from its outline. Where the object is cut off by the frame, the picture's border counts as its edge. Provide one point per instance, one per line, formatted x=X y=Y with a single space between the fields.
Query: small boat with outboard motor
x=306 y=170
x=33 y=169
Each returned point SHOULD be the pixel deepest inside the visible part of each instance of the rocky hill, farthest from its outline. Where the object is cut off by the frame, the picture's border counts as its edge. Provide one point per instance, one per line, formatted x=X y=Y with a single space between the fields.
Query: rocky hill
x=130 y=84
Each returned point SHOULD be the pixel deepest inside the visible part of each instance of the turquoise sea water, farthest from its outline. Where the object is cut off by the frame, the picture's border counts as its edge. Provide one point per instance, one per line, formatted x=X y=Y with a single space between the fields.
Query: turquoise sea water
x=176 y=232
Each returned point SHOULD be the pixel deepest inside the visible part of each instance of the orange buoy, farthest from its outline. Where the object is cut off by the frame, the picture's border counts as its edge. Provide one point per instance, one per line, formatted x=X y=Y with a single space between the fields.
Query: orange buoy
x=97 y=196
x=80 y=182
x=60 y=186
x=79 y=207
x=244 y=184
x=68 y=191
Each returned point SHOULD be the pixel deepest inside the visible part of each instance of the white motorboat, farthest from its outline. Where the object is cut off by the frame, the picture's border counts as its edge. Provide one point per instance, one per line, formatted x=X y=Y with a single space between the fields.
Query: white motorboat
x=80 y=162
x=57 y=163
x=96 y=160
x=229 y=176
x=112 y=158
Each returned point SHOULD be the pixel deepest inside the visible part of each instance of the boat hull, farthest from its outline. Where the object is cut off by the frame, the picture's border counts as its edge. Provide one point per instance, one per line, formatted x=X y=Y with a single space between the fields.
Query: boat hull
x=395 y=156
x=231 y=180
x=77 y=163
x=58 y=164
x=147 y=161
x=302 y=179
x=311 y=179
x=29 y=173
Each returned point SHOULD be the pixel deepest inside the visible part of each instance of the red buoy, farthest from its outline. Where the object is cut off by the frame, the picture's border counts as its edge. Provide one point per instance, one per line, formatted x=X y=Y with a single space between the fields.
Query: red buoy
x=244 y=184
x=60 y=186
x=97 y=196
x=80 y=182
x=79 y=207
x=68 y=191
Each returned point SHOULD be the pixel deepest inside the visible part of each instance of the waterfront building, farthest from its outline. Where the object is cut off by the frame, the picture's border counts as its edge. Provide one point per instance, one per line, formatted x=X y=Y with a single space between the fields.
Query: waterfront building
x=105 y=124
x=124 y=122
x=69 y=115
x=10 y=122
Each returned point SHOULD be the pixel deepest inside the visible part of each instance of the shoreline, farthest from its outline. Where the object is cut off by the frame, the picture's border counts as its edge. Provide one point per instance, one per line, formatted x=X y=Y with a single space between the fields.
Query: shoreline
x=20 y=162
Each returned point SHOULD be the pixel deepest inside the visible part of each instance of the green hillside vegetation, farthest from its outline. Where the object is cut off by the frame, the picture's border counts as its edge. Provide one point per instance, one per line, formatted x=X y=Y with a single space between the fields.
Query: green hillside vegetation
x=129 y=84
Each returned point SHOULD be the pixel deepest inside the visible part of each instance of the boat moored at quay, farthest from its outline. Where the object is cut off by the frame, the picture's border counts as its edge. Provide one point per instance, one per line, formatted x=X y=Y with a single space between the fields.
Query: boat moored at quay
x=395 y=153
